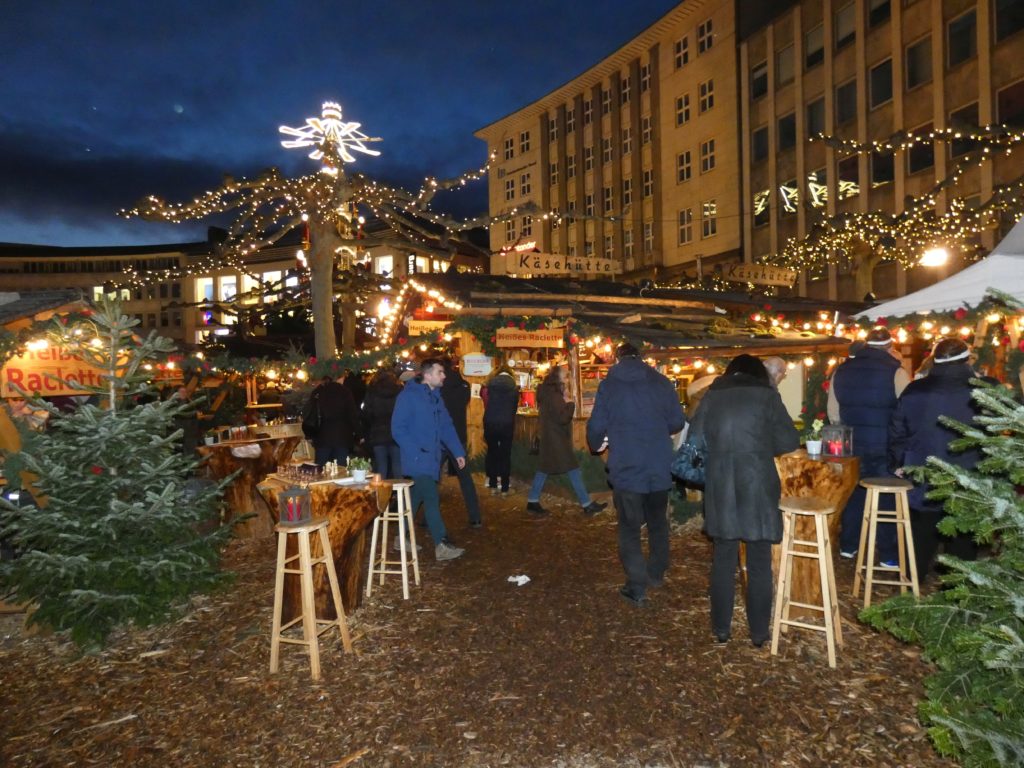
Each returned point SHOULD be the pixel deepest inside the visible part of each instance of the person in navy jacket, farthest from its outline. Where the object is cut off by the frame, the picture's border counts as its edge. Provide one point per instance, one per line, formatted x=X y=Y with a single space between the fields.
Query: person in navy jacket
x=863 y=396
x=636 y=411
x=423 y=430
x=915 y=433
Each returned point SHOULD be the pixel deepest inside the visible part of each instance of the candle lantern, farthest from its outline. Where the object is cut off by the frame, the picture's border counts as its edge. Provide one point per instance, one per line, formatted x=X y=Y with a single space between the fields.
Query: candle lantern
x=837 y=440
x=295 y=507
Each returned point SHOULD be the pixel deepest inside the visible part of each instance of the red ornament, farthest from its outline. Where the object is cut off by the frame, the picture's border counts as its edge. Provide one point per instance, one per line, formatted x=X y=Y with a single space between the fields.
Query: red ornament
x=767 y=307
x=86 y=313
x=824 y=385
x=522 y=326
x=96 y=469
x=882 y=321
x=1020 y=345
x=510 y=324
x=402 y=340
x=1006 y=341
x=820 y=415
x=960 y=314
x=312 y=361
x=493 y=338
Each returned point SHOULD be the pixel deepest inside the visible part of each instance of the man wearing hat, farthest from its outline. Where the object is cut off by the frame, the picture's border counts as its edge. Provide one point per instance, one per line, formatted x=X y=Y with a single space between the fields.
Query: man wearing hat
x=915 y=433
x=863 y=395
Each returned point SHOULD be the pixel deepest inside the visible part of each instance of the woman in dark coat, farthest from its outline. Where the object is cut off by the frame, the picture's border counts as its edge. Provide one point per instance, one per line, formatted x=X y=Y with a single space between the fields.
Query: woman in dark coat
x=501 y=401
x=744 y=425
x=378 y=405
x=915 y=433
x=557 y=456
x=339 y=422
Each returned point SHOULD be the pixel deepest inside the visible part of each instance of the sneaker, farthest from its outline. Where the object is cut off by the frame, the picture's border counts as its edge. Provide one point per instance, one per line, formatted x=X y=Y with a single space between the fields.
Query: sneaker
x=505 y=491
x=594 y=508
x=889 y=563
x=397 y=545
x=639 y=601
x=494 y=491
x=476 y=523
x=721 y=639
x=534 y=508
x=849 y=554
x=446 y=551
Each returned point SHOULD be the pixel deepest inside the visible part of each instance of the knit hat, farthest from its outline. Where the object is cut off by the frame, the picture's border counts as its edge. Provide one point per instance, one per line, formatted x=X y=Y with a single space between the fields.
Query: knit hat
x=951 y=351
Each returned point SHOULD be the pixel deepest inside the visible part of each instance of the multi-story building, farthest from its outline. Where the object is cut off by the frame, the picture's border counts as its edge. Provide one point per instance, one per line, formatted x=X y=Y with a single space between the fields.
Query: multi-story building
x=865 y=70
x=638 y=157
x=689 y=145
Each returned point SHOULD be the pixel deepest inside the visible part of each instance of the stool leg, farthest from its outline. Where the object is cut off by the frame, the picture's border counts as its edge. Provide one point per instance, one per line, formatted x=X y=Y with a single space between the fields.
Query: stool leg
x=373 y=555
x=826 y=591
x=384 y=544
x=838 y=621
x=332 y=577
x=861 y=549
x=275 y=630
x=869 y=566
x=405 y=498
x=402 y=556
x=782 y=587
x=308 y=606
x=789 y=573
x=903 y=508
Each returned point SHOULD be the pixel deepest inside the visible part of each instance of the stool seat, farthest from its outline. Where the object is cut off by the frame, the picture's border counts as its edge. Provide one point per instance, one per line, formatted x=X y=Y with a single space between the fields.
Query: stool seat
x=819 y=550
x=886 y=484
x=906 y=569
x=312 y=627
x=380 y=564
x=805 y=505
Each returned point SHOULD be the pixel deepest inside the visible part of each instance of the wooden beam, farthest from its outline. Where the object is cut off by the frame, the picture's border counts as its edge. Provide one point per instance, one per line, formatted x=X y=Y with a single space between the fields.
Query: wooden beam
x=578 y=298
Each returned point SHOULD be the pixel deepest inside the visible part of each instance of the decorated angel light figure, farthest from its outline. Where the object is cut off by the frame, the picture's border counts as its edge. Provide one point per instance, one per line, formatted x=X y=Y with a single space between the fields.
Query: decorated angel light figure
x=330 y=136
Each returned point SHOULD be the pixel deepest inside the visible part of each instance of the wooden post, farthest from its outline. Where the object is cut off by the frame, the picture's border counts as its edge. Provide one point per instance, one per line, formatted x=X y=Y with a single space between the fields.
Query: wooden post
x=575 y=379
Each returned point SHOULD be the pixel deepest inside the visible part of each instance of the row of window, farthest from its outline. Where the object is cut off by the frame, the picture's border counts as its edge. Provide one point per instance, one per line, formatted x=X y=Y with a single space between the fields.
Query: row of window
x=961 y=44
x=1009 y=110
x=117 y=266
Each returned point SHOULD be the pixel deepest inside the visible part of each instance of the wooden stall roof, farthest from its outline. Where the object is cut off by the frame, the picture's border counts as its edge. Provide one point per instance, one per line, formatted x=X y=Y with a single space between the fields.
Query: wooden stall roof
x=18 y=310
x=665 y=317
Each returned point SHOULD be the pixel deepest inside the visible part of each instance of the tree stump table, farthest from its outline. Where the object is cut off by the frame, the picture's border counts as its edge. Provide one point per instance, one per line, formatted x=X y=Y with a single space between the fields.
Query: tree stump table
x=831 y=479
x=349 y=510
x=242 y=496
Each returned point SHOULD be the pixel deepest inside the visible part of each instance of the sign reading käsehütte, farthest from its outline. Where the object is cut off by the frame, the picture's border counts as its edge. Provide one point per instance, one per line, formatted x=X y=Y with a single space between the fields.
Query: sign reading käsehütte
x=530 y=263
x=759 y=274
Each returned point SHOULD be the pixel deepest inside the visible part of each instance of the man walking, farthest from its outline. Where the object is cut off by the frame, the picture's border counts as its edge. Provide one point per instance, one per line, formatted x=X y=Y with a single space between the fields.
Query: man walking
x=635 y=412
x=423 y=430
x=863 y=395
x=456 y=396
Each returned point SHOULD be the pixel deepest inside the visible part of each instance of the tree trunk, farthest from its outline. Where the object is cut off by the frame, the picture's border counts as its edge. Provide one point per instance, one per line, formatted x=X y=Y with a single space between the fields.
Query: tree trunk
x=321 y=284
x=348 y=325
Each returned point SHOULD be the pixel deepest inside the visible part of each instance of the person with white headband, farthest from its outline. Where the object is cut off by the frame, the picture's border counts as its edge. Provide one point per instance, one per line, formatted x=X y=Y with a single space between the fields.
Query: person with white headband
x=863 y=396
x=915 y=433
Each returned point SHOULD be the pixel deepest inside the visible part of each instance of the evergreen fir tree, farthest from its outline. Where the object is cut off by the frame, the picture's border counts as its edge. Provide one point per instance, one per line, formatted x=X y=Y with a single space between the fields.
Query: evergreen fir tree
x=119 y=534
x=973 y=628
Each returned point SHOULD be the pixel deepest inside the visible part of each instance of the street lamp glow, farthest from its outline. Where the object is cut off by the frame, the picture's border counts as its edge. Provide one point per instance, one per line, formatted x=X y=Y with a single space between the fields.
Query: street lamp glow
x=934 y=257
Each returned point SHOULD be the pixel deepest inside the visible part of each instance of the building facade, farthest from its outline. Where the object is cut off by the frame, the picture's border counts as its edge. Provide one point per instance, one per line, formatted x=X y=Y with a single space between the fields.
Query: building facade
x=636 y=159
x=865 y=70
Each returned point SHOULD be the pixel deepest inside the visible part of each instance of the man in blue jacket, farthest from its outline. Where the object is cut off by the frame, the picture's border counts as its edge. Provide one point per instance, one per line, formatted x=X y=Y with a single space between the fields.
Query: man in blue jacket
x=423 y=430
x=863 y=396
x=635 y=413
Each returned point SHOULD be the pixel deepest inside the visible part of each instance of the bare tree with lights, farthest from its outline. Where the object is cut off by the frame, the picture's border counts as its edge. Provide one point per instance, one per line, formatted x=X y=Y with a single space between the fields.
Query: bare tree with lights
x=869 y=238
x=328 y=203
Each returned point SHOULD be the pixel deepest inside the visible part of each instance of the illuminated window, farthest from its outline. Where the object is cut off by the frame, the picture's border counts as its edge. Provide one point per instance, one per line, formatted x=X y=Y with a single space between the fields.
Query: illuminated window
x=849 y=178
x=817 y=190
x=762 y=210
x=709 y=218
x=789 y=198
x=229 y=286
x=204 y=288
x=384 y=265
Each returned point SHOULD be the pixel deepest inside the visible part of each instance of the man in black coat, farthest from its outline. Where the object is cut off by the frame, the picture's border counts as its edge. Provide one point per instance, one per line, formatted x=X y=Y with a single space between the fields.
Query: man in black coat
x=915 y=433
x=339 y=421
x=455 y=392
x=635 y=413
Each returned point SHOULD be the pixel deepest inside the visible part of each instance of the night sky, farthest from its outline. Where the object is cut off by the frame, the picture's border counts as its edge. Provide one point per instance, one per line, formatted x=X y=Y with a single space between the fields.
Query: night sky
x=104 y=102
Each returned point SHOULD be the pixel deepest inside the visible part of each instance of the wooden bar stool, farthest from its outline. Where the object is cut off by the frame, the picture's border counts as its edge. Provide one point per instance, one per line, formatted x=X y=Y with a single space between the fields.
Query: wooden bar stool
x=380 y=564
x=821 y=550
x=906 y=576
x=310 y=623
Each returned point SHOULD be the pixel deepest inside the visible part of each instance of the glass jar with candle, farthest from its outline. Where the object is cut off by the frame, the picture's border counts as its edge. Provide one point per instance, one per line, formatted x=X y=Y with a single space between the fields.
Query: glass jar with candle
x=837 y=440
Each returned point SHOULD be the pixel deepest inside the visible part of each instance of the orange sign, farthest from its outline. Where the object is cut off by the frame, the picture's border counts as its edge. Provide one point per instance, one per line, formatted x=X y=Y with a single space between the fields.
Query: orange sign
x=47 y=371
x=517 y=339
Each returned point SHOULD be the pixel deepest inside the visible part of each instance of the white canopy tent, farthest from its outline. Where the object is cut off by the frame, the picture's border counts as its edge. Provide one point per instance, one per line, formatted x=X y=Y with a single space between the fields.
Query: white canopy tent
x=1002 y=269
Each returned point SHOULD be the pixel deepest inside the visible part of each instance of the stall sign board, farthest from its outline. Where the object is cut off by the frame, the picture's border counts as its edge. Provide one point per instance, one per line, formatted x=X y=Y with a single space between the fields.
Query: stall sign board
x=475 y=364
x=558 y=264
x=47 y=371
x=759 y=274
x=423 y=327
x=518 y=339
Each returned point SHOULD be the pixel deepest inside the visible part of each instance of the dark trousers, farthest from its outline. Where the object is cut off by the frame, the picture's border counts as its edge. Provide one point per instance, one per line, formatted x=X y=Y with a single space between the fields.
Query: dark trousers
x=759 y=587
x=872 y=465
x=468 y=489
x=387 y=460
x=924 y=525
x=634 y=510
x=498 y=461
x=424 y=491
x=325 y=453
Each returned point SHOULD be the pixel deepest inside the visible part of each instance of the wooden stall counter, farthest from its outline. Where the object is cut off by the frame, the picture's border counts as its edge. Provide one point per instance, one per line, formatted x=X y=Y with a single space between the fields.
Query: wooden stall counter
x=527 y=427
x=349 y=510
x=253 y=459
x=831 y=479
